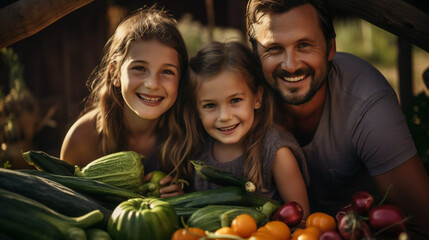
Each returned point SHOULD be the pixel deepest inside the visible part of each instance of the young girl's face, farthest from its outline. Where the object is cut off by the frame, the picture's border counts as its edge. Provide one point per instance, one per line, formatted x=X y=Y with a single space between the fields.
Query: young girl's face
x=149 y=78
x=226 y=106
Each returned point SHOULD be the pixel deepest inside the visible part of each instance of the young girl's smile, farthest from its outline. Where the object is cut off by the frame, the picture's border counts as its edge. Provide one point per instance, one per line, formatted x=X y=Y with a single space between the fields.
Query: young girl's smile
x=149 y=78
x=226 y=106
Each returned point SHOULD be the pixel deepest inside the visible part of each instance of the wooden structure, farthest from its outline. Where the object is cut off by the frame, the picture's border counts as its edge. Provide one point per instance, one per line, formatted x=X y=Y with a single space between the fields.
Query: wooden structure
x=60 y=41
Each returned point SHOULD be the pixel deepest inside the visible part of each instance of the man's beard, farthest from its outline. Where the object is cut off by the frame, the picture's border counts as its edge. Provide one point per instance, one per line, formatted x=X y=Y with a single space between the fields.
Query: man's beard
x=292 y=97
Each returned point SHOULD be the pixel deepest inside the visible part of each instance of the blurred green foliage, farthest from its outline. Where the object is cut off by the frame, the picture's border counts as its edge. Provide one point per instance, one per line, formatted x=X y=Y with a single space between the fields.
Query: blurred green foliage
x=367 y=41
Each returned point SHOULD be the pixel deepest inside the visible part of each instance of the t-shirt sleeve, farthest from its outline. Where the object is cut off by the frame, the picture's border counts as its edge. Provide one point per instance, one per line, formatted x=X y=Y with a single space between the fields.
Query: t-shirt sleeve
x=275 y=139
x=380 y=133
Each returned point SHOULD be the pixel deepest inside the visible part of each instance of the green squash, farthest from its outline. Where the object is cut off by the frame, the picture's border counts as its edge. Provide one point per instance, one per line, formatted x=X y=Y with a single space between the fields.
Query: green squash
x=152 y=187
x=143 y=219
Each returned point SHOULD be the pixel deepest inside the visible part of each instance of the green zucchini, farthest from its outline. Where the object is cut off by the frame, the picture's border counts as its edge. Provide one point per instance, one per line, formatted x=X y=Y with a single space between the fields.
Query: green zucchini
x=152 y=187
x=45 y=162
x=213 y=217
x=121 y=169
x=25 y=218
x=230 y=195
x=50 y=193
x=214 y=175
x=185 y=212
x=84 y=185
x=97 y=234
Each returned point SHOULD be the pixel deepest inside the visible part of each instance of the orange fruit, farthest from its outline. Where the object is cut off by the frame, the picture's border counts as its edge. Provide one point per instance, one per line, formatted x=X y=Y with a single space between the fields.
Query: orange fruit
x=322 y=221
x=244 y=225
x=278 y=229
x=224 y=230
x=188 y=234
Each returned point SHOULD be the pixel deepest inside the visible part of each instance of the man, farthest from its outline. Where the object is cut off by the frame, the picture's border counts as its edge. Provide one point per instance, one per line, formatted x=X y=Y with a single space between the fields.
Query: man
x=341 y=110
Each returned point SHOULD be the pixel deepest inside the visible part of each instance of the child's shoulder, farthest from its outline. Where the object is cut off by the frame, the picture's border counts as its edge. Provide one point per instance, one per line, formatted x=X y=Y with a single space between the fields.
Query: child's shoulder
x=278 y=132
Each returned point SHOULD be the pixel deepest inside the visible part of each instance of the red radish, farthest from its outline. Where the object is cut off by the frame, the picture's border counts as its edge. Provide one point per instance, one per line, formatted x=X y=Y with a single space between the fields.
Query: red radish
x=290 y=213
x=330 y=235
x=362 y=202
x=387 y=218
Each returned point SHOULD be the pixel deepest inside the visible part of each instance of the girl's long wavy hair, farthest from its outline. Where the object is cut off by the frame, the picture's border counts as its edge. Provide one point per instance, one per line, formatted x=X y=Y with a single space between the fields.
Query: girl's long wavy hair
x=209 y=62
x=107 y=101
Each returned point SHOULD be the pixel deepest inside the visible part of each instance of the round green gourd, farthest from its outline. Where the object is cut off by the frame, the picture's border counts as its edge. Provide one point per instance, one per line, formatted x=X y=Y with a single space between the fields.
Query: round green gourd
x=143 y=219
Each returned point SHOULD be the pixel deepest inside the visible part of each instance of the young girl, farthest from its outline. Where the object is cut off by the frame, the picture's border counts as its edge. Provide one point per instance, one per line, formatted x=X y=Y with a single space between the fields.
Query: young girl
x=230 y=121
x=132 y=104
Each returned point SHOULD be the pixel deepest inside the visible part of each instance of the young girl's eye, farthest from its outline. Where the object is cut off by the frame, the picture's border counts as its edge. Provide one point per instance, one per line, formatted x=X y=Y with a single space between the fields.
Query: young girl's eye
x=236 y=100
x=140 y=68
x=209 y=105
x=169 y=72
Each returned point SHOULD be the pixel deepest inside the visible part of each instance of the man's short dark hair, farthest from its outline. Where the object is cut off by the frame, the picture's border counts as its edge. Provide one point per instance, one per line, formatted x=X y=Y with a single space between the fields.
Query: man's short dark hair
x=256 y=9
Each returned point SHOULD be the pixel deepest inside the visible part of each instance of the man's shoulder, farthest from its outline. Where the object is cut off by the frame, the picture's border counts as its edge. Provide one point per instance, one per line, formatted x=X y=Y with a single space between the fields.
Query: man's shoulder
x=356 y=77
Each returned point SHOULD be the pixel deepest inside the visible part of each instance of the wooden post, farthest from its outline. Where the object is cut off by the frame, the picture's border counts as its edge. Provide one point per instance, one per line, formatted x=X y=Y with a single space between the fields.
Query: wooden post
x=210 y=18
x=24 y=18
x=405 y=72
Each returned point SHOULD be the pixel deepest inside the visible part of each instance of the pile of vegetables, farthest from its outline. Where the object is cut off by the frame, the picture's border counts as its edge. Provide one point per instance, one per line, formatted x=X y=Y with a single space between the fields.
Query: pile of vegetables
x=107 y=200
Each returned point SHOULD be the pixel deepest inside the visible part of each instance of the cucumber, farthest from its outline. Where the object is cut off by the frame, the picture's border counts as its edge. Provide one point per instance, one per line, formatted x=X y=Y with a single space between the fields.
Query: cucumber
x=214 y=175
x=45 y=162
x=84 y=185
x=213 y=217
x=230 y=195
x=52 y=194
x=25 y=218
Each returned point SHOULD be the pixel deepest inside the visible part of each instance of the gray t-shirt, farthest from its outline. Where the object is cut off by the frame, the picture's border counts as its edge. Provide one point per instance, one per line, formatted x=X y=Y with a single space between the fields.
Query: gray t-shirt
x=273 y=140
x=362 y=133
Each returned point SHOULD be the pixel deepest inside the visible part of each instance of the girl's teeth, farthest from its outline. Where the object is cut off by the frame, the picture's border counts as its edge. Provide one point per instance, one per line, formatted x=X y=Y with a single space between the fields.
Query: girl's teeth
x=150 y=99
x=228 y=128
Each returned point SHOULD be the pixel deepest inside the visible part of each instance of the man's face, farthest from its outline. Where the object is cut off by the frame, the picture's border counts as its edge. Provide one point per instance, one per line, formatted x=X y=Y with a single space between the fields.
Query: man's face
x=293 y=53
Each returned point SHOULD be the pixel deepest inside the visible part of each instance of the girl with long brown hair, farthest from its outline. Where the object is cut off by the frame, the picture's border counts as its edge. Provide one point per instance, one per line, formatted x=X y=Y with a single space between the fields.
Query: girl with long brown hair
x=230 y=126
x=133 y=104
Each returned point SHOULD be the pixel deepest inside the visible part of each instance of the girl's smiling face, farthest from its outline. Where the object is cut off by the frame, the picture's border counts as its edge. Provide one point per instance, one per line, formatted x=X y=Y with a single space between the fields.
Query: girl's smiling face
x=226 y=106
x=149 y=78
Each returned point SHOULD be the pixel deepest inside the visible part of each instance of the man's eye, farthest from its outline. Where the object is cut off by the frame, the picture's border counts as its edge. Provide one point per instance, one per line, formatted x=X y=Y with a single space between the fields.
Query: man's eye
x=274 y=48
x=209 y=105
x=303 y=45
x=236 y=100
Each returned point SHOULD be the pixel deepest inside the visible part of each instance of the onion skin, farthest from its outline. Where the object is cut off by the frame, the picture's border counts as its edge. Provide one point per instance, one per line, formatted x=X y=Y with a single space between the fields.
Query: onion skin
x=330 y=235
x=344 y=210
x=290 y=213
x=386 y=215
x=362 y=202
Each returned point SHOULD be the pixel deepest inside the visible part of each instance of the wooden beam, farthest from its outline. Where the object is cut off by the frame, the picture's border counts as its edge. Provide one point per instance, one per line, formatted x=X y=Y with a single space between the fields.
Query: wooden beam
x=395 y=16
x=405 y=70
x=24 y=18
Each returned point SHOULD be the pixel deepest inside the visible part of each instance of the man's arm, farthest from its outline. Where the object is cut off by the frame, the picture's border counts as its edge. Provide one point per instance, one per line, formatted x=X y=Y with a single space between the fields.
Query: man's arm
x=410 y=192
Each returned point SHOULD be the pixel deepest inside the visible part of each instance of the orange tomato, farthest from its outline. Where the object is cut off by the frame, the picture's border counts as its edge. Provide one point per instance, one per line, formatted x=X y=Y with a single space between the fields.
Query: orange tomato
x=188 y=234
x=307 y=233
x=278 y=229
x=224 y=230
x=322 y=221
x=244 y=225
x=261 y=235
x=308 y=236
x=296 y=233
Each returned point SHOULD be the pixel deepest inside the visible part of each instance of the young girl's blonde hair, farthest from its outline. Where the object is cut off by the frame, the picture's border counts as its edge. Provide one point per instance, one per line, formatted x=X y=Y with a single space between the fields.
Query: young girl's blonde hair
x=106 y=100
x=211 y=61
